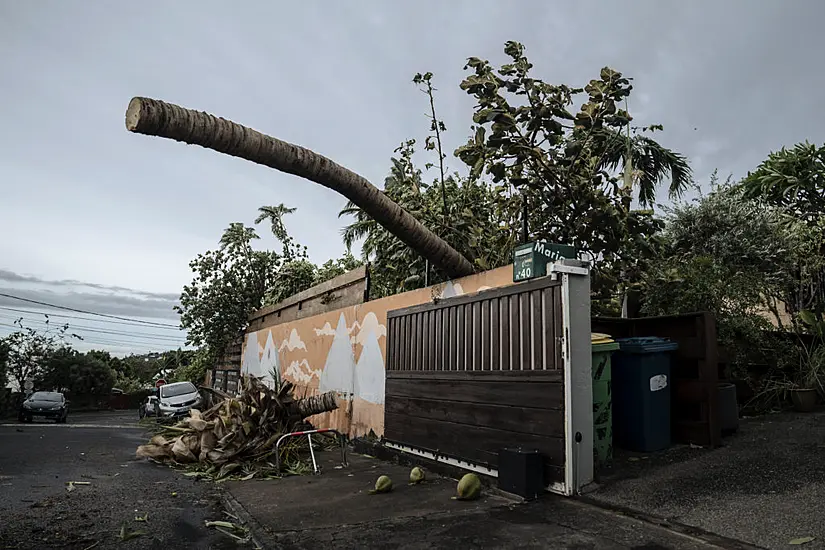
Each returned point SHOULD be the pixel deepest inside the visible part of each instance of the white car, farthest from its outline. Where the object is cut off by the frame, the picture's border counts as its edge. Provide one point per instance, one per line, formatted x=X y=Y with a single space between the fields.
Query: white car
x=177 y=399
x=147 y=408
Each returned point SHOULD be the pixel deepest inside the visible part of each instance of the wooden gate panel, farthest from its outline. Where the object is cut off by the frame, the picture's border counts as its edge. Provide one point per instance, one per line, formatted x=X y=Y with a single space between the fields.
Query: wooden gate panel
x=469 y=376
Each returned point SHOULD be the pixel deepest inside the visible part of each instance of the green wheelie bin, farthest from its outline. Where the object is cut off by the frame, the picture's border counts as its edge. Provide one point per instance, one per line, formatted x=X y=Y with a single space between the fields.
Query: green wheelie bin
x=602 y=348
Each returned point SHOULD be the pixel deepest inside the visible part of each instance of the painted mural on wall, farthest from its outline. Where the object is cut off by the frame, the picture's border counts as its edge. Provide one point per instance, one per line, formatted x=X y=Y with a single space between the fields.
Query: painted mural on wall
x=344 y=350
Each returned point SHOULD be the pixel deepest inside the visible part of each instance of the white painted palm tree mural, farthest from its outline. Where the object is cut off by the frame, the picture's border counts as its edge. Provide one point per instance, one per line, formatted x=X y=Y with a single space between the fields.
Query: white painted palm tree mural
x=252 y=355
x=369 y=371
x=338 y=369
x=270 y=362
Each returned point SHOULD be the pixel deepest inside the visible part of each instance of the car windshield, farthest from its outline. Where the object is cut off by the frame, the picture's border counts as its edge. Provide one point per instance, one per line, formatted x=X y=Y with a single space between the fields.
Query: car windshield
x=46 y=396
x=174 y=390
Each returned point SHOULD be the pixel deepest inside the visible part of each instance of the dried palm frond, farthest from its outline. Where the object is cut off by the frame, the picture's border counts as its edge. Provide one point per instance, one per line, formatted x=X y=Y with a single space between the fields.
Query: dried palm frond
x=235 y=438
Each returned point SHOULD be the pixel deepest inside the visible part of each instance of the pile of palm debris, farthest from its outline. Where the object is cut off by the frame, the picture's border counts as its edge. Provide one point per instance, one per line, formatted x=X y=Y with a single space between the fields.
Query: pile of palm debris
x=235 y=438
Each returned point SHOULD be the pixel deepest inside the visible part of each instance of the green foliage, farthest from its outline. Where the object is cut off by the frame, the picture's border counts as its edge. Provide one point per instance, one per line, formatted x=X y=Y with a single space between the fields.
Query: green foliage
x=275 y=215
x=793 y=179
x=471 y=226
x=460 y=211
x=534 y=149
x=67 y=370
x=4 y=359
x=232 y=282
x=734 y=257
x=127 y=384
x=529 y=152
x=194 y=370
x=293 y=277
x=28 y=350
x=334 y=268
x=229 y=284
x=811 y=372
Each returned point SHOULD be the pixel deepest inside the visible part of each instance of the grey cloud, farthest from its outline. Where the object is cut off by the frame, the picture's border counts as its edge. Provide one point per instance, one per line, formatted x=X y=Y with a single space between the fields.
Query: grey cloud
x=71 y=294
x=12 y=277
x=108 y=304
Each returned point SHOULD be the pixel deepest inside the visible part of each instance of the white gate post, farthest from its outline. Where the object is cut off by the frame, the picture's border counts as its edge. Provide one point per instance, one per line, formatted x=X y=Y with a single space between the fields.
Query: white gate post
x=578 y=380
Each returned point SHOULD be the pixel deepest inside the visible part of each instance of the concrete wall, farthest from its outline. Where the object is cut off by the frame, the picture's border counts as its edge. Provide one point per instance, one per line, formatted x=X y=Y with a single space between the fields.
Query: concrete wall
x=342 y=291
x=343 y=350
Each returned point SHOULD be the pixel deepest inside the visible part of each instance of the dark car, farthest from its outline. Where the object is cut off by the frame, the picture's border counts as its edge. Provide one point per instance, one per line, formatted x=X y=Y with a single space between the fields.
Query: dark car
x=48 y=404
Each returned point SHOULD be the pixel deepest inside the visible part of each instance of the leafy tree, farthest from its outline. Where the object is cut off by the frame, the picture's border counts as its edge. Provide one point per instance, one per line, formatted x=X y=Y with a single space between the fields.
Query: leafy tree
x=194 y=369
x=794 y=180
x=731 y=256
x=529 y=154
x=559 y=169
x=67 y=370
x=275 y=216
x=235 y=280
x=28 y=350
x=293 y=277
x=4 y=358
x=333 y=268
x=229 y=284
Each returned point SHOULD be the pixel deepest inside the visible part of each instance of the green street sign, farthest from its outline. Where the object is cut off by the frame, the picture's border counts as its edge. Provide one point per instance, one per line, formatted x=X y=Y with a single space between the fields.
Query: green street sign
x=530 y=260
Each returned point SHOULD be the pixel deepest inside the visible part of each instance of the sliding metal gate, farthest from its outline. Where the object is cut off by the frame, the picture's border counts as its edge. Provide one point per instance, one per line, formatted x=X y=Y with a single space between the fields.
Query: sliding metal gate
x=469 y=376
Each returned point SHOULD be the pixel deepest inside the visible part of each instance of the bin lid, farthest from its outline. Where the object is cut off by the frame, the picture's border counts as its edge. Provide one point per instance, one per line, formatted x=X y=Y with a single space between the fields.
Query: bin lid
x=602 y=342
x=647 y=344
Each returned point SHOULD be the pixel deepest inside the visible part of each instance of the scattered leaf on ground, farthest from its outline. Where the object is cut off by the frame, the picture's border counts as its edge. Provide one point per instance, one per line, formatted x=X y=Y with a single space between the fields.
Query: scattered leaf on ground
x=237 y=532
x=801 y=540
x=143 y=518
x=125 y=534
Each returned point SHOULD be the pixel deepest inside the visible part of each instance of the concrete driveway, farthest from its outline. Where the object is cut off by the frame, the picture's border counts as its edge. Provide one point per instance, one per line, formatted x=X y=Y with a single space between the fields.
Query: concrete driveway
x=334 y=510
x=766 y=485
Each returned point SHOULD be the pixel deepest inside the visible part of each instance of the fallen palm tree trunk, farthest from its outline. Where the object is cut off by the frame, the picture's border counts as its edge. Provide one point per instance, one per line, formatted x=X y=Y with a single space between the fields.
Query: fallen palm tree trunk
x=157 y=118
x=237 y=435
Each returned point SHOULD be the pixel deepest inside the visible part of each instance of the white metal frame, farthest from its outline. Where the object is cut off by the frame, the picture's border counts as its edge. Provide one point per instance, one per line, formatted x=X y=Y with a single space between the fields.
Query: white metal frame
x=578 y=384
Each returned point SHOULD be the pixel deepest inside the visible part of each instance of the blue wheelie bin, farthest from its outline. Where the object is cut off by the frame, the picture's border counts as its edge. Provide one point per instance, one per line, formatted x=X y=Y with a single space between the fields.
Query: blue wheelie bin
x=641 y=393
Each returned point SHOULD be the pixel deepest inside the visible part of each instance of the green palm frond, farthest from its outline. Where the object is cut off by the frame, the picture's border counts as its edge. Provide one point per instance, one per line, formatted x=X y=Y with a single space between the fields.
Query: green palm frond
x=275 y=215
x=651 y=162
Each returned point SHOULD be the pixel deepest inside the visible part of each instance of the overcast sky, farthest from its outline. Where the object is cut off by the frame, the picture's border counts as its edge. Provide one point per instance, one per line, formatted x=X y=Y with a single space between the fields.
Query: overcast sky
x=109 y=220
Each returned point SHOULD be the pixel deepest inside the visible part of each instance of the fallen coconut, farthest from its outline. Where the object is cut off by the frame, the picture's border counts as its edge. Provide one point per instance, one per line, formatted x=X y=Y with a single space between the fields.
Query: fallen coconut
x=469 y=488
x=382 y=485
x=417 y=476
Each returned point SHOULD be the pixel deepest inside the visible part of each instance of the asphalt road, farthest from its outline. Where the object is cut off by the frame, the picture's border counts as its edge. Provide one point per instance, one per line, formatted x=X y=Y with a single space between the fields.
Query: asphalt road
x=37 y=511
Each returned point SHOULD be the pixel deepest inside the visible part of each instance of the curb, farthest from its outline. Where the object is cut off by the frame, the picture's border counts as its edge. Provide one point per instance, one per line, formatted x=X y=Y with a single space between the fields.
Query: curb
x=255 y=528
x=707 y=537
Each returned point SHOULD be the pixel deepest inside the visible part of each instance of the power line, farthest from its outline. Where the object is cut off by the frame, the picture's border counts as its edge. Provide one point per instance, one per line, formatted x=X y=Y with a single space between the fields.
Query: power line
x=86 y=312
x=107 y=342
x=64 y=316
x=73 y=328
x=137 y=339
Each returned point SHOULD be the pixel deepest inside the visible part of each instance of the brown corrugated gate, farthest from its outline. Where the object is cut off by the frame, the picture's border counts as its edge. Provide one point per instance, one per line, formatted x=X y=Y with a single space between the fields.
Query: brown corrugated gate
x=469 y=376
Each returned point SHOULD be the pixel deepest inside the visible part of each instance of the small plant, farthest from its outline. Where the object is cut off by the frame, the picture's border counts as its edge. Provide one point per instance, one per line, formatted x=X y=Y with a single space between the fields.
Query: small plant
x=811 y=373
